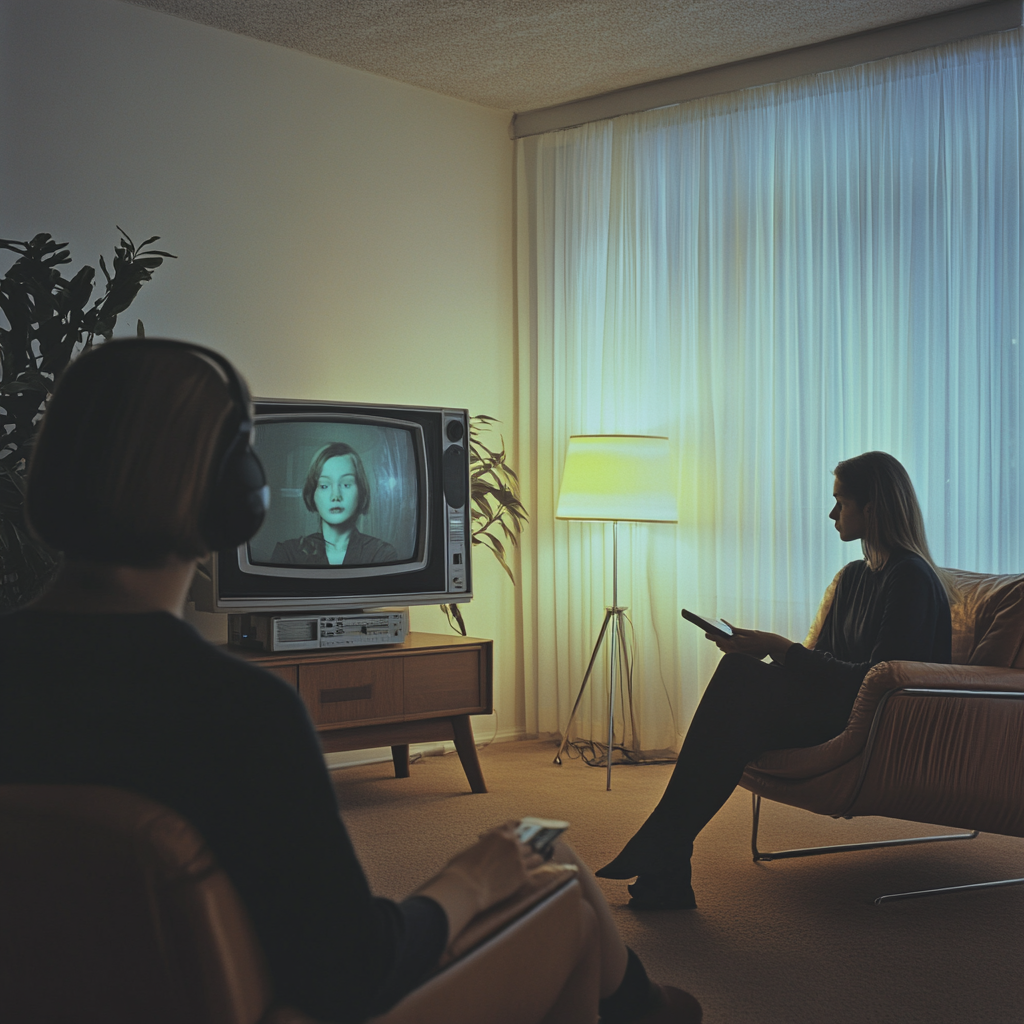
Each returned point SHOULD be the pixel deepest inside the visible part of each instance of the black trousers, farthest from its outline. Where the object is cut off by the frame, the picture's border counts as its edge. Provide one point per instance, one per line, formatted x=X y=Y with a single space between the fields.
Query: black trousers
x=749 y=707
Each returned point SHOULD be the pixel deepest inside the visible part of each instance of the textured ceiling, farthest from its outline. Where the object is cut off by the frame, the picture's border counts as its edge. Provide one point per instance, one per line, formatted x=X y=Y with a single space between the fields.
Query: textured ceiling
x=523 y=54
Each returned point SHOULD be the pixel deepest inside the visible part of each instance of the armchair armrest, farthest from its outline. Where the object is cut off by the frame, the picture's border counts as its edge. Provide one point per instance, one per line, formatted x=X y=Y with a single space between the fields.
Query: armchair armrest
x=533 y=959
x=900 y=675
x=543 y=881
x=950 y=752
x=543 y=933
x=882 y=679
x=936 y=743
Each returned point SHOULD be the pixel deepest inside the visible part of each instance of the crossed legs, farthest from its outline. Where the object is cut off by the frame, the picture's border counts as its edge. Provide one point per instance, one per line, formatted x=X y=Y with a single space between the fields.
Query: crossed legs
x=749 y=707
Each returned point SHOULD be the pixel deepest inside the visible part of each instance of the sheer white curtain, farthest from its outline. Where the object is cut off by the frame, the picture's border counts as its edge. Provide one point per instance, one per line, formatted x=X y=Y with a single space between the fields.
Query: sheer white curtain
x=777 y=279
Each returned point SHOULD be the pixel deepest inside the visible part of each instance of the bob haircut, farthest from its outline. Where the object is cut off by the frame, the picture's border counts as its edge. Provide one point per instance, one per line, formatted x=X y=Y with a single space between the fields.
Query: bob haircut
x=316 y=467
x=895 y=521
x=123 y=462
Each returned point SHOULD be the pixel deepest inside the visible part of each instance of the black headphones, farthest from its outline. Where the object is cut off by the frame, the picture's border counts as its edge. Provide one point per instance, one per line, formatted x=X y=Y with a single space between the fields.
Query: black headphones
x=239 y=496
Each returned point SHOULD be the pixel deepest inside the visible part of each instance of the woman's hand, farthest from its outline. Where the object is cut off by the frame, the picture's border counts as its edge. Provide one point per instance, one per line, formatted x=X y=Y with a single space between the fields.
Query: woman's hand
x=496 y=865
x=752 y=642
x=485 y=874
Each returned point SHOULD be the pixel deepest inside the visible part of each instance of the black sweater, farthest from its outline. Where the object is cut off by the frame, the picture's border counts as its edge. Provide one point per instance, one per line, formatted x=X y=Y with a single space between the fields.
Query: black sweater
x=897 y=613
x=144 y=703
x=311 y=550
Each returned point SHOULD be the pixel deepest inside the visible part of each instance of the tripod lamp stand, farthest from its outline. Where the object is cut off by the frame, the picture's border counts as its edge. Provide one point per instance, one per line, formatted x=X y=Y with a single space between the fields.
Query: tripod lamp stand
x=615 y=478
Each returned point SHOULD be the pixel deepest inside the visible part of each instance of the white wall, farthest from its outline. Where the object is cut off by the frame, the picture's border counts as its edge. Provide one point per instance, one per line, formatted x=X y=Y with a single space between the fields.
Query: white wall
x=339 y=235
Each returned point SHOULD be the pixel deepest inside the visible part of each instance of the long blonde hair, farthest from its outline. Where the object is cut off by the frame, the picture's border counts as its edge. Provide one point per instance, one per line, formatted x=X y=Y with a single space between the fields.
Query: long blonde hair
x=895 y=520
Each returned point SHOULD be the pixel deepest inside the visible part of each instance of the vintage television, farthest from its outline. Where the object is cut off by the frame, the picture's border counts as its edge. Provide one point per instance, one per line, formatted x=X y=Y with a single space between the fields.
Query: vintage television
x=400 y=474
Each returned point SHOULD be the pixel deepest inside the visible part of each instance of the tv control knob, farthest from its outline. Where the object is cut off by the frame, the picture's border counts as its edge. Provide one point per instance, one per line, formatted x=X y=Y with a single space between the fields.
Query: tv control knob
x=454 y=431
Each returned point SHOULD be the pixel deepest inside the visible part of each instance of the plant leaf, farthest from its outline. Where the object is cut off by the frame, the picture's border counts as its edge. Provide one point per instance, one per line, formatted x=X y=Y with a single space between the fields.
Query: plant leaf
x=454 y=617
x=49 y=322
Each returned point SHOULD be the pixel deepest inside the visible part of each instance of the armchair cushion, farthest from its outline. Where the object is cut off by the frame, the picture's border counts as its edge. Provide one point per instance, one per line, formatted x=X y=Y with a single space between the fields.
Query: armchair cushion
x=988 y=619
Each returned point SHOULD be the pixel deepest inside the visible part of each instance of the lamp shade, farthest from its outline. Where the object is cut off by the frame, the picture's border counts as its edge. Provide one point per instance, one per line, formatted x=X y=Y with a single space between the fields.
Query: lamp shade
x=618 y=477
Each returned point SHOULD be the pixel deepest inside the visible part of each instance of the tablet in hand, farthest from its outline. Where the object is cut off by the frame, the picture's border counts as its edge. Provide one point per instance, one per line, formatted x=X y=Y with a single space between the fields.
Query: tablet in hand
x=716 y=627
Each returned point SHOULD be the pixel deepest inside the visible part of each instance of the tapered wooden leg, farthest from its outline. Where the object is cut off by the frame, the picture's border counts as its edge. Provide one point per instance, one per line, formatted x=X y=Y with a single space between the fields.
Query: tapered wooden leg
x=465 y=744
x=400 y=755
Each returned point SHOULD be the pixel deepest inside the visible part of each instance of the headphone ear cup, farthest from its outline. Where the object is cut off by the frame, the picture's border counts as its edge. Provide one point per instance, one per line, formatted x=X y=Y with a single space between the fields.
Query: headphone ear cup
x=239 y=500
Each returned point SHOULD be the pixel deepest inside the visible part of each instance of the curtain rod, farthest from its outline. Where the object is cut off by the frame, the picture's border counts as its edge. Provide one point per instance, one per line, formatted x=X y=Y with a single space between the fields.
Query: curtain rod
x=846 y=51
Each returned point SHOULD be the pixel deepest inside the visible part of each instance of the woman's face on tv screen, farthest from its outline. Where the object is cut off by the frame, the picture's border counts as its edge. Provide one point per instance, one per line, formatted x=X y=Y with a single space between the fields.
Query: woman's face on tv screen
x=337 y=494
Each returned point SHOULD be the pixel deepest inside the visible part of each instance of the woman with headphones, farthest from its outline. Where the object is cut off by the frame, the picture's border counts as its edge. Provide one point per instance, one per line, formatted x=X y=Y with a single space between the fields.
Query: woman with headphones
x=143 y=465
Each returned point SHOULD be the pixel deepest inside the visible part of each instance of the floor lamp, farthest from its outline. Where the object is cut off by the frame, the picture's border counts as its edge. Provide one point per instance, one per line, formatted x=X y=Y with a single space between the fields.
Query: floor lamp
x=615 y=478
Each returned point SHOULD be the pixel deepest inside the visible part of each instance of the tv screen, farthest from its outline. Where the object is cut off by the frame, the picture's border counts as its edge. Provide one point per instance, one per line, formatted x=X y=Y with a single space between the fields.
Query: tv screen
x=347 y=496
x=369 y=508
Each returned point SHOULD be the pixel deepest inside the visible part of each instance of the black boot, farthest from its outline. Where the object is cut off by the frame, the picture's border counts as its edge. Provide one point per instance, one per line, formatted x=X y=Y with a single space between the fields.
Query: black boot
x=661 y=868
x=620 y=868
x=662 y=892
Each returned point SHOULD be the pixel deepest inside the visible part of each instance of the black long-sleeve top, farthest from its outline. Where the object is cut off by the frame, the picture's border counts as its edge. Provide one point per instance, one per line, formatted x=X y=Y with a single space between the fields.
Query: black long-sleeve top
x=897 y=613
x=311 y=550
x=144 y=703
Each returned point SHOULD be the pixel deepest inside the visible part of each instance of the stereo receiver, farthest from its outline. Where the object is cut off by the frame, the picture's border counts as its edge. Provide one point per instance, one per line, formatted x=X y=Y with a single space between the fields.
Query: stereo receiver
x=264 y=632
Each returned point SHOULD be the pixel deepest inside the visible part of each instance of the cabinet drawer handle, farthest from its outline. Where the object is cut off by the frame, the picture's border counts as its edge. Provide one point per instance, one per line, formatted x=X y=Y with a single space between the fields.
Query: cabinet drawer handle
x=347 y=693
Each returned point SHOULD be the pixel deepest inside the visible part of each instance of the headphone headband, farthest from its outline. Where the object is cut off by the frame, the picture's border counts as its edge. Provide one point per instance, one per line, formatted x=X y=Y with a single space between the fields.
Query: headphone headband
x=237 y=387
x=239 y=495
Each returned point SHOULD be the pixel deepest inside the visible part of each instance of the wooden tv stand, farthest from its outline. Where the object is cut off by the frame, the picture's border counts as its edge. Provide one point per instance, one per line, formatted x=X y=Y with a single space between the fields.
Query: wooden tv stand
x=418 y=691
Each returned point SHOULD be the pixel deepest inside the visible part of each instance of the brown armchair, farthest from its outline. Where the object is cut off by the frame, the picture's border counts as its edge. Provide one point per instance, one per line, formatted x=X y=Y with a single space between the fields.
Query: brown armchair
x=942 y=744
x=113 y=909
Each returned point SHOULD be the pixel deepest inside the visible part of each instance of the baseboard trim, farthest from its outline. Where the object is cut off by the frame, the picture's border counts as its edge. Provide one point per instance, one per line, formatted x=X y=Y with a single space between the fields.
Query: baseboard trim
x=378 y=755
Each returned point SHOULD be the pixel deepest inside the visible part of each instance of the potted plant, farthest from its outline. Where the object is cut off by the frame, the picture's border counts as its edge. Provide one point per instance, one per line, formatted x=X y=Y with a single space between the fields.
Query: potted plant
x=49 y=323
x=497 y=514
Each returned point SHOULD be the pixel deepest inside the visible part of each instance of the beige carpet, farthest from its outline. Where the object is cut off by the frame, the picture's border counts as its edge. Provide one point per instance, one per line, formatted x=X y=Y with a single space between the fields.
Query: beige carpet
x=791 y=942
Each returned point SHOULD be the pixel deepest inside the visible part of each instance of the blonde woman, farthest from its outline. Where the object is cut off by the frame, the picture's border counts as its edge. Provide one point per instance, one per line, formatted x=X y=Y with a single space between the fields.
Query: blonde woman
x=891 y=605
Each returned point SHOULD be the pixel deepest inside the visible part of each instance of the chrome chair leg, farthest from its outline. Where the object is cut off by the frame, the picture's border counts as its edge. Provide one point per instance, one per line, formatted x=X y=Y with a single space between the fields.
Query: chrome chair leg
x=814 y=851
x=949 y=888
x=890 y=897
